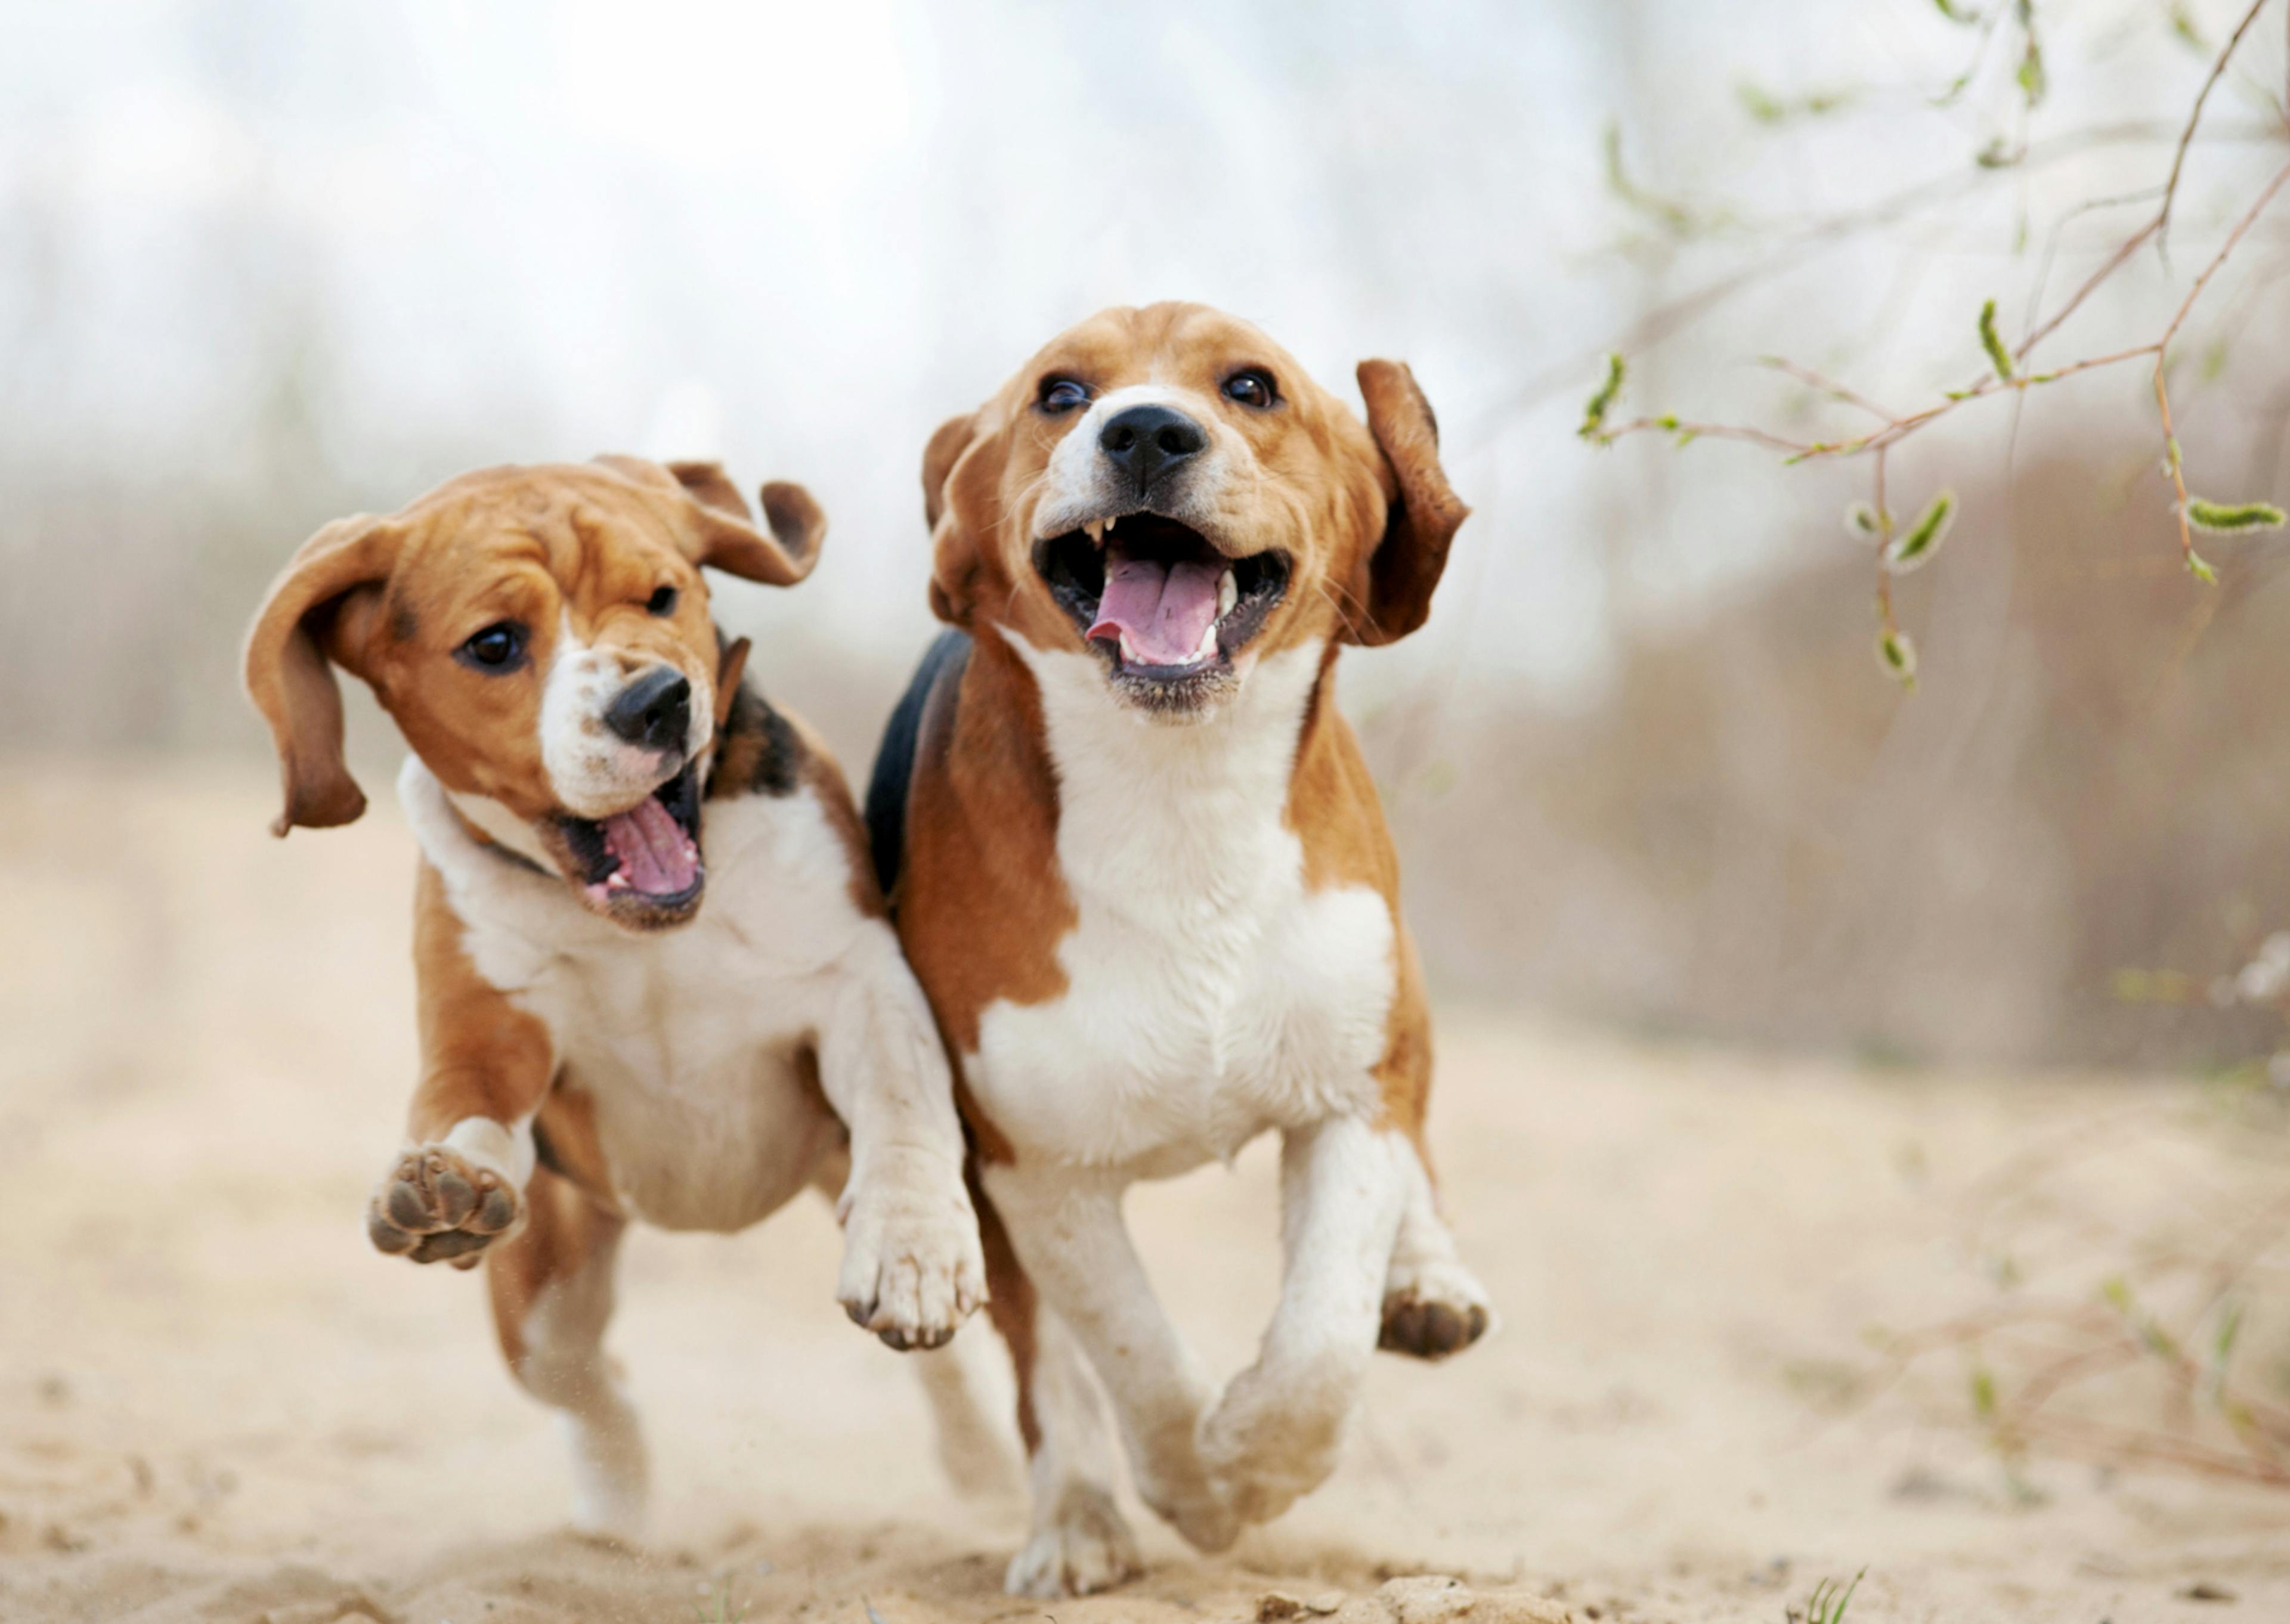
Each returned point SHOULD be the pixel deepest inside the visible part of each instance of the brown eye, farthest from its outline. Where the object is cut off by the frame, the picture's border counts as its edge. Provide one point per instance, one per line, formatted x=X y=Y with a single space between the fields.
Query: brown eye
x=1252 y=387
x=498 y=649
x=1063 y=395
x=662 y=601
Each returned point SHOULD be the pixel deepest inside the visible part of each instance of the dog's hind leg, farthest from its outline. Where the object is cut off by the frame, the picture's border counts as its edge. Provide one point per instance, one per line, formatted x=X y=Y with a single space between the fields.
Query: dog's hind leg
x=552 y=1295
x=1078 y=1542
x=1432 y=1305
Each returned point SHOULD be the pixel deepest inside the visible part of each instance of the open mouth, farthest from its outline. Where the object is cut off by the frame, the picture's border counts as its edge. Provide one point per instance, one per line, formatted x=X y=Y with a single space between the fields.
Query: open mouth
x=649 y=854
x=1158 y=597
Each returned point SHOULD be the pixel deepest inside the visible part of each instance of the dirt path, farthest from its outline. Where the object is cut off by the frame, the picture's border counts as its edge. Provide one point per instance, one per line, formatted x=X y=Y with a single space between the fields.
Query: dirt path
x=216 y=1402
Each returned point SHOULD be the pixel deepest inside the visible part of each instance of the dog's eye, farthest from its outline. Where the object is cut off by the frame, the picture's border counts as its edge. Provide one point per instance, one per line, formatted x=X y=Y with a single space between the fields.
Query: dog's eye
x=499 y=648
x=1063 y=395
x=1251 y=386
x=662 y=602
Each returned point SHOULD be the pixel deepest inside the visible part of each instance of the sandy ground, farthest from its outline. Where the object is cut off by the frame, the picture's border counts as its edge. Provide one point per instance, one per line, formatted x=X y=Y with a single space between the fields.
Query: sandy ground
x=217 y=1403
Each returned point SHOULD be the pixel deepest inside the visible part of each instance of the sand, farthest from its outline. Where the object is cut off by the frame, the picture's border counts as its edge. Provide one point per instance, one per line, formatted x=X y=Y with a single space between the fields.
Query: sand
x=218 y=1403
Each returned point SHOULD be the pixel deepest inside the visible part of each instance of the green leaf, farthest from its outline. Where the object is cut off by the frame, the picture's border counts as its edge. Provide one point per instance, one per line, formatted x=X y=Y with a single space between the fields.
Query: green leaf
x=2199 y=568
x=2230 y=1327
x=1961 y=14
x=1898 y=656
x=2032 y=79
x=1998 y=356
x=1594 y=412
x=1861 y=520
x=1602 y=397
x=1983 y=1392
x=1760 y=103
x=1924 y=537
x=2223 y=518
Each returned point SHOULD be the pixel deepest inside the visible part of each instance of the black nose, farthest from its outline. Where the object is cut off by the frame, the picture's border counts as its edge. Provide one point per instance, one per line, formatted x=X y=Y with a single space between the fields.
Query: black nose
x=1145 y=442
x=654 y=711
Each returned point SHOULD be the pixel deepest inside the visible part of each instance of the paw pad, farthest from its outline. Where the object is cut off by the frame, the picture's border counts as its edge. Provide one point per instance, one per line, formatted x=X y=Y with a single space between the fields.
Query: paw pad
x=437 y=1208
x=1429 y=1330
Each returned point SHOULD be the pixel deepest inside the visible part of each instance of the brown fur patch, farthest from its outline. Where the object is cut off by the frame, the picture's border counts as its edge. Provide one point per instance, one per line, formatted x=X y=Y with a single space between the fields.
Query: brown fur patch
x=547 y=547
x=981 y=907
x=481 y=1055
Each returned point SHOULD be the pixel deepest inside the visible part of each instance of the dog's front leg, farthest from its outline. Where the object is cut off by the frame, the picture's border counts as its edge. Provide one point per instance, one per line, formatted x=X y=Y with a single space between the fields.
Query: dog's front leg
x=912 y=1267
x=459 y=1184
x=1065 y=1225
x=1277 y=1432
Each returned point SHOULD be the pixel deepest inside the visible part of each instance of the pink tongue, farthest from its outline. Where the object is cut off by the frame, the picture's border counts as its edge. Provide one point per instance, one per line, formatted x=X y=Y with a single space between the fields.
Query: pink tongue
x=656 y=856
x=1165 y=608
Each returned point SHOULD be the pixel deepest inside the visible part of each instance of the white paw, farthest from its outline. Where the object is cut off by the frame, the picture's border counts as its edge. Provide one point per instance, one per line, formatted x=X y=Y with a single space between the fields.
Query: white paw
x=1195 y=1508
x=611 y=1480
x=1083 y=1547
x=1432 y=1307
x=912 y=1270
x=1276 y=1437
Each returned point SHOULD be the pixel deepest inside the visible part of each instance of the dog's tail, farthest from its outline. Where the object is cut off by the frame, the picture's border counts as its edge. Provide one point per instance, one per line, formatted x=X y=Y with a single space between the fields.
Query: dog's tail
x=894 y=761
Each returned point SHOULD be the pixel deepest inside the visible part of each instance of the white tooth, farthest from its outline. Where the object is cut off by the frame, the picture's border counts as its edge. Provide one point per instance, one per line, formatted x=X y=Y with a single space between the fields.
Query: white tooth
x=1208 y=642
x=1110 y=523
x=1094 y=528
x=1227 y=594
x=616 y=880
x=1129 y=650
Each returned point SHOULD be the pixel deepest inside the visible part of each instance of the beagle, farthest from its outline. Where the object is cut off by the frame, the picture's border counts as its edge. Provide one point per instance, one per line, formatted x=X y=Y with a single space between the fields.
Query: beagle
x=597 y=1046
x=1142 y=871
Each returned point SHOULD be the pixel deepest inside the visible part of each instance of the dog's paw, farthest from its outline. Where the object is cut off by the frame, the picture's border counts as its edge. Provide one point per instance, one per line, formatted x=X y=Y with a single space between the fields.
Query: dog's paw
x=1276 y=1436
x=437 y=1206
x=1082 y=1546
x=1432 y=1309
x=912 y=1268
x=1190 y=1502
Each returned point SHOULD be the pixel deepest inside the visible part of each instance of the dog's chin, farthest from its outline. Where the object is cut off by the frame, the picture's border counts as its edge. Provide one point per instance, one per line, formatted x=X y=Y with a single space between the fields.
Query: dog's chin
x=1144 y=673
x=641 y=867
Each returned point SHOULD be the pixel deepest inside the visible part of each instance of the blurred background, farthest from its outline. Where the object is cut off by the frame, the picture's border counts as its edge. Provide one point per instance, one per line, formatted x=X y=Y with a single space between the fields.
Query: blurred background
x=264 y=264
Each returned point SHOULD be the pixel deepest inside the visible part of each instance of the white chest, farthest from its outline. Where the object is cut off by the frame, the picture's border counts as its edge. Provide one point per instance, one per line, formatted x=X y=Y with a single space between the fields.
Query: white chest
x=692 y=1043
x=1209 y=996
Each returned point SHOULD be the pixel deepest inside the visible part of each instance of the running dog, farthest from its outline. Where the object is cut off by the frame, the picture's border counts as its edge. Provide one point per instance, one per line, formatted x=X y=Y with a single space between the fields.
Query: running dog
x=1142 y=873
x=597 y=1046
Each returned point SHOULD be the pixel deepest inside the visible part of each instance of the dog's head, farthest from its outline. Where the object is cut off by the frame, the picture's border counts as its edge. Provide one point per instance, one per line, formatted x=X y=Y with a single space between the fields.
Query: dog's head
x=1167 y=489
x=542 y=637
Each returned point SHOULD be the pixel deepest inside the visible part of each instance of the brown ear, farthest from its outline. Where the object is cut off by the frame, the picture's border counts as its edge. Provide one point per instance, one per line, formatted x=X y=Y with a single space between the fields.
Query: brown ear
x=719 y=531
x=288 y=676
x=947 y=442
x=1424 y=512
x=954 y=545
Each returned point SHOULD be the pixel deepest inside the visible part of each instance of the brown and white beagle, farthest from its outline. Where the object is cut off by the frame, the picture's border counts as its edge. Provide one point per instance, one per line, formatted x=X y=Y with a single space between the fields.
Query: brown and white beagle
x=655 y=977
x=1142 y=873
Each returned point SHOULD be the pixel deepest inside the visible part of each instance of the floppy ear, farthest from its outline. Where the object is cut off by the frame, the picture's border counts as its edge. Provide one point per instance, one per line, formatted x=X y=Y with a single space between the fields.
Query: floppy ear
x=1424 y=512
x=947 y=442
x=954 y=552
x=288 y=676
x=719 y=531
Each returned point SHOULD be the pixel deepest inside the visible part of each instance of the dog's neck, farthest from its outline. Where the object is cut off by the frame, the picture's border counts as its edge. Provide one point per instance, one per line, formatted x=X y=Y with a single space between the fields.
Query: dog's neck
x=1152 y=810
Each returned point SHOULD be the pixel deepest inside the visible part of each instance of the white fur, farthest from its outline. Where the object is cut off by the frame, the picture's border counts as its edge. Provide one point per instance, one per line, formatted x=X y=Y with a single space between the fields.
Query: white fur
x=1425 y=1265
x=1080 y=483
x=1079 y=1542
x=1211 y=996
x=688 y=1041
x=504 y=1148
x=593 y=772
